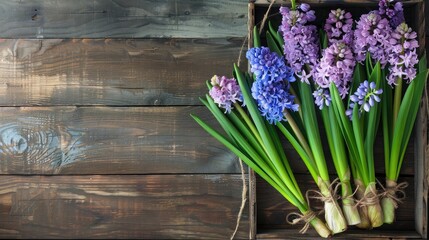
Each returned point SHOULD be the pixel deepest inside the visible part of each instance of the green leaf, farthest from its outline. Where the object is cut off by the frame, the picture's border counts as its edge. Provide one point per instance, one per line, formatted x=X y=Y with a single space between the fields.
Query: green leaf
x=264 y=171
x=256 y=37
x=272 y=45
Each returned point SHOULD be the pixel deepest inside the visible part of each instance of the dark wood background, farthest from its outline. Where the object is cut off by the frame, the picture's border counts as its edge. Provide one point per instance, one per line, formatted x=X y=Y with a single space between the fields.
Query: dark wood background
x=96 y=140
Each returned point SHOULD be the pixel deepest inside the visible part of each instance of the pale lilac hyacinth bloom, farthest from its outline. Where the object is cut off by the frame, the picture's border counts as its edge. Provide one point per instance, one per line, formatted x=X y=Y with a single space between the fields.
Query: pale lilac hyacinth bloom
x=322 y=97
x=403 y=56
x=337 y=66
x=372 y=35
x=365 y=97
x=271 y=88
x=301 y=43
x=225 y=92
x=391 y=10
x=338 y=27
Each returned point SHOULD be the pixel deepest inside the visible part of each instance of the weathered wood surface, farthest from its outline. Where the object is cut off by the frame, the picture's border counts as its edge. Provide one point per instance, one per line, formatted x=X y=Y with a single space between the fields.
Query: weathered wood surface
x=112 y=71
x=122 y=18
x=273 y=208
x=121 y=206
x=108 y=140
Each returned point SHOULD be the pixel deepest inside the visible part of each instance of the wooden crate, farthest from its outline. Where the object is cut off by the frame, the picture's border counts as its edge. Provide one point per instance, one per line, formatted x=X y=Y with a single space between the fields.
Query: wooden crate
x=268 y=209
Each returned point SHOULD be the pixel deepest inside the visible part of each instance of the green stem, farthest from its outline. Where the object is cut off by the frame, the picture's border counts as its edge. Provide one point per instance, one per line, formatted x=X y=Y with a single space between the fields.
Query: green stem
x=293 y=4
x=249 y=123
x=397 y=100
x=298 y=134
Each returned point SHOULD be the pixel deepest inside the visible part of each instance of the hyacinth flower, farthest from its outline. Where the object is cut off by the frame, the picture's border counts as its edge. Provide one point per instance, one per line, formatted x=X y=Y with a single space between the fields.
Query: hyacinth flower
x=248 y=135
x=338 y=27
x=391 y=10
x=372 y=36
x=337 y=66
x=300 y=47
x=301 y=43
x=400 y=109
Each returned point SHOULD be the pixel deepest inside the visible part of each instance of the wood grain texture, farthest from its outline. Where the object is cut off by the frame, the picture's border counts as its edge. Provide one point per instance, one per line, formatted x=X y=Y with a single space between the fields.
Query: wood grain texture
x=112 y=71
x=122 y=18
x=107 y=140
x=119 y=206
x=273 y=208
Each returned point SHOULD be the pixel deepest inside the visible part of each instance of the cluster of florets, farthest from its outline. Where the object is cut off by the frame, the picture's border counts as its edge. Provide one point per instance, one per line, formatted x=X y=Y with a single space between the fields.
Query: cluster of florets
x=337 y=66
x=338 y=27
x=365 y=97
x=301 y=42
x=225 y=92
x=372 y=35
x=271 y=88
x=392 y=11
x=402 y=55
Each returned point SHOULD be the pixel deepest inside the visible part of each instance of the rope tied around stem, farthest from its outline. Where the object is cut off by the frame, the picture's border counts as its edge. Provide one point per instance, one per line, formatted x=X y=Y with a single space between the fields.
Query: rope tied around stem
x=391 y=192
x=370 y=198
x=307 y=217
x=331 y=197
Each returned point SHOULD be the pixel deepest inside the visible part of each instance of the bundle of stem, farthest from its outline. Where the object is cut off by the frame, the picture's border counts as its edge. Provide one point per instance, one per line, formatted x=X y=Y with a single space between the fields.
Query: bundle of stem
x=256 y=142
x=399 y=114
x=359 y=135
x=303 y=133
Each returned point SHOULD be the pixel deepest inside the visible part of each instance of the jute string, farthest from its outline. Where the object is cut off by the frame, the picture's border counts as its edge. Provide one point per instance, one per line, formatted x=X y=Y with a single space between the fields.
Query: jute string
x=350 y=196
x=391 y=190
x=243 y=177
x=369 y=199
x=243 y=199
x=262 y=23
x=308 y=216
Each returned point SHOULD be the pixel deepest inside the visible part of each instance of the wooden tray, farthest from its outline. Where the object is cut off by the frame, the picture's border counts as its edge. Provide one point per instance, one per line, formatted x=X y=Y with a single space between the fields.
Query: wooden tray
x=268 y=209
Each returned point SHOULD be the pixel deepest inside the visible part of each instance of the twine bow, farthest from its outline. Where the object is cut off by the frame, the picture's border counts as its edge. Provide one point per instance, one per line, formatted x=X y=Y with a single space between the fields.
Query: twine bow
x=369 y=198
x=307 y=217
x=391 y=190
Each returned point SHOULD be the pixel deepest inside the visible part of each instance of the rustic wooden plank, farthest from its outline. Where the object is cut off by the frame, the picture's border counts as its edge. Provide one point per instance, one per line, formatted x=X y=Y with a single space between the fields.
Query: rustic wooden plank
x=122 y=18
x=108 y=140
x=273 y=208
x=112 y=71
x=120 y=206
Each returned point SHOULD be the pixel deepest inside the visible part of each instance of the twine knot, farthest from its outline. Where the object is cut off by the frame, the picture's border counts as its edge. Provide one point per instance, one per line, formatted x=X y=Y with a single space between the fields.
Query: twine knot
x=307 y=217
x=391 y=192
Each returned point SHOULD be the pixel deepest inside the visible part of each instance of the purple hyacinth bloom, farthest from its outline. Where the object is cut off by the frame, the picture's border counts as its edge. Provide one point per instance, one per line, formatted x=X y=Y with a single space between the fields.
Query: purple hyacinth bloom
x=391 y=10
x=337 y=66
x=271 y=88
x=372 y=35
x=365 y=97
x=338 y=27
x=322 y=97
x=301 y=43
x=403 y=55
x=225 y=92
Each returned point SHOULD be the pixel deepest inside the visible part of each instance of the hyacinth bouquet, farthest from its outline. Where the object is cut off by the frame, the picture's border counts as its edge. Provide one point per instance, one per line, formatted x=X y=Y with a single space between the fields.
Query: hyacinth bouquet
x=348 y=75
